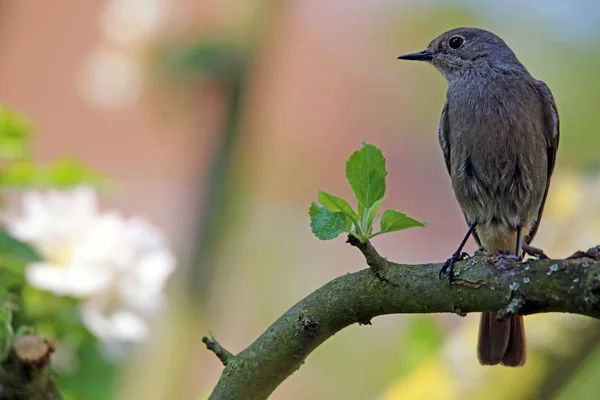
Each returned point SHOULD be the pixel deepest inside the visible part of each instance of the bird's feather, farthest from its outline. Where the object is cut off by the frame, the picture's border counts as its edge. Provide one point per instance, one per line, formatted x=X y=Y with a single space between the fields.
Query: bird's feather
x=552 y=123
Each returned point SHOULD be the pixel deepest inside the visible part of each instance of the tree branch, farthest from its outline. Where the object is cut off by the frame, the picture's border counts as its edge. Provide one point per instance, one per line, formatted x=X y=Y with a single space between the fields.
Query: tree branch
x=481 y=283
x=26 y=372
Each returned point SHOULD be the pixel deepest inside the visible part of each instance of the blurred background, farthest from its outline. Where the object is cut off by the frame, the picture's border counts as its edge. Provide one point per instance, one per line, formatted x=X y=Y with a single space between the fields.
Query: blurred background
x=220 y=120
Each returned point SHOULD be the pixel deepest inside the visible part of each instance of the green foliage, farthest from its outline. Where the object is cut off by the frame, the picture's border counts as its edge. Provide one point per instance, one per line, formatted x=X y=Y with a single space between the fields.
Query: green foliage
x=20 y=171
x=327 y=224
x=6 y=331
x=60 y=174
x=366 y=173
x=14 y=256
x=95 y=377
x=392 y=220
x=585 y=384
x=16 y=251
x=422 y=340
x=24 y=330
x=14 y=135
x=335 y=204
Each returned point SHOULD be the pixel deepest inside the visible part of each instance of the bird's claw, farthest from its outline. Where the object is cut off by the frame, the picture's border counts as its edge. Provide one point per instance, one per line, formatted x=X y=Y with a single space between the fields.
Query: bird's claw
x=534 y=252
x=448 y=267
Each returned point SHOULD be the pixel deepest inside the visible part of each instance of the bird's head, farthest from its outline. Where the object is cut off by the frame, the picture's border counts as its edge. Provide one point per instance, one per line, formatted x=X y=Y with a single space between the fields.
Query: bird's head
x=463 y=51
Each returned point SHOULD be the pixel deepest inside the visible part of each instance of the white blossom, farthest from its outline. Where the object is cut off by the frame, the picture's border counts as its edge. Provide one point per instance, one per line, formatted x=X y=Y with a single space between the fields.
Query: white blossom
x=132 y=21
x=111 y=77
x=114 y=75
x=117 y=266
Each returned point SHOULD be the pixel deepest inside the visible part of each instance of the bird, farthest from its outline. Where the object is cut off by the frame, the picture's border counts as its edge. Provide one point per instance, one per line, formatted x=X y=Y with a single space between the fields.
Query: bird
x=499 y=134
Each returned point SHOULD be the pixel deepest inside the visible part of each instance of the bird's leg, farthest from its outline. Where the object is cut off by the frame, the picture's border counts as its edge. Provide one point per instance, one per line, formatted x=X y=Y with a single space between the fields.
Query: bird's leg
x=503 y=255
x=518 y=248
x=448 y=267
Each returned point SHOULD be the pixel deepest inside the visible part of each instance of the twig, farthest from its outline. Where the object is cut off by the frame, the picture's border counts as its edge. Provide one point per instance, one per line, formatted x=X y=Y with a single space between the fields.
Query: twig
x=377 y=263
x=222 y=354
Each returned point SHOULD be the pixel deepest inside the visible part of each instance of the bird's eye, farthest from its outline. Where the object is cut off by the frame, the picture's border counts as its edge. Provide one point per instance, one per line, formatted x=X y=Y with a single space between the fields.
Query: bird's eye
x=455 y=42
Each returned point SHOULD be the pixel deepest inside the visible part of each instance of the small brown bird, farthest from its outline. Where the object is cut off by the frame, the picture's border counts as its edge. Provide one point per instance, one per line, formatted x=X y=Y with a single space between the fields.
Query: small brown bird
x=499 y=133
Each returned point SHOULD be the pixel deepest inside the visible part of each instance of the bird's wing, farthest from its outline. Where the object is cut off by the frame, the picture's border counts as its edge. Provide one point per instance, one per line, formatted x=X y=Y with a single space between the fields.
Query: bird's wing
x=444 y=138
x=444 y=135
x=552 y=133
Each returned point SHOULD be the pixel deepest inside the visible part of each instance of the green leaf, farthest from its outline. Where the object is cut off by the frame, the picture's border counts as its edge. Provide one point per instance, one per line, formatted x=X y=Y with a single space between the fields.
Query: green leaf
x=313 y=210
x=11 y=280
x=96 y=376
x=361 y=211
x=365 y=171
x=327 y=224
x=14 y=135
x=62 y=173
x=393 y=220
x=14 y=256
x=21 y=173
x=66 y=172
x=372 y=213
x=15 y=250
x=337 y=204
x=6 y=331
x=24 y=330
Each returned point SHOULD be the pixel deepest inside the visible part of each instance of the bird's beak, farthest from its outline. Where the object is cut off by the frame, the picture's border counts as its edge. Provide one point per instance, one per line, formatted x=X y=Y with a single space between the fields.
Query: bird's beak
x=420 y=56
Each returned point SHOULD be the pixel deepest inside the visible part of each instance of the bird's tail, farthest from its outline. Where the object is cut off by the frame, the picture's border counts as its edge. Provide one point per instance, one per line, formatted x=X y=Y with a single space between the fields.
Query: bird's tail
x=501 y=342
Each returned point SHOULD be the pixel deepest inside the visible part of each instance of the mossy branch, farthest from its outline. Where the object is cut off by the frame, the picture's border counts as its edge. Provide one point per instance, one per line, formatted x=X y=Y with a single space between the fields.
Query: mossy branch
x=481 y=283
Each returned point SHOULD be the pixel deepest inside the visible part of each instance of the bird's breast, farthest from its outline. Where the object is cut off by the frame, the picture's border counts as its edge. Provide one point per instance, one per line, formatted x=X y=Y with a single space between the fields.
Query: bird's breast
x=497 y=152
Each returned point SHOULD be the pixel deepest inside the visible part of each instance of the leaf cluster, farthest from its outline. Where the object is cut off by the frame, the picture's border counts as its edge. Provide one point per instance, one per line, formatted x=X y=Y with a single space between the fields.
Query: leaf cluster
x=366 y=173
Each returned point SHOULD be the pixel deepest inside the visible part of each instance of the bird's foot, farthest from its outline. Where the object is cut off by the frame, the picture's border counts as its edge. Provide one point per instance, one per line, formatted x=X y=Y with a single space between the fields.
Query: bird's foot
x=593 y=253
x=448 y=267
x=534 y=252
x=481 y=252
x=506 y=255
x=504 y=259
